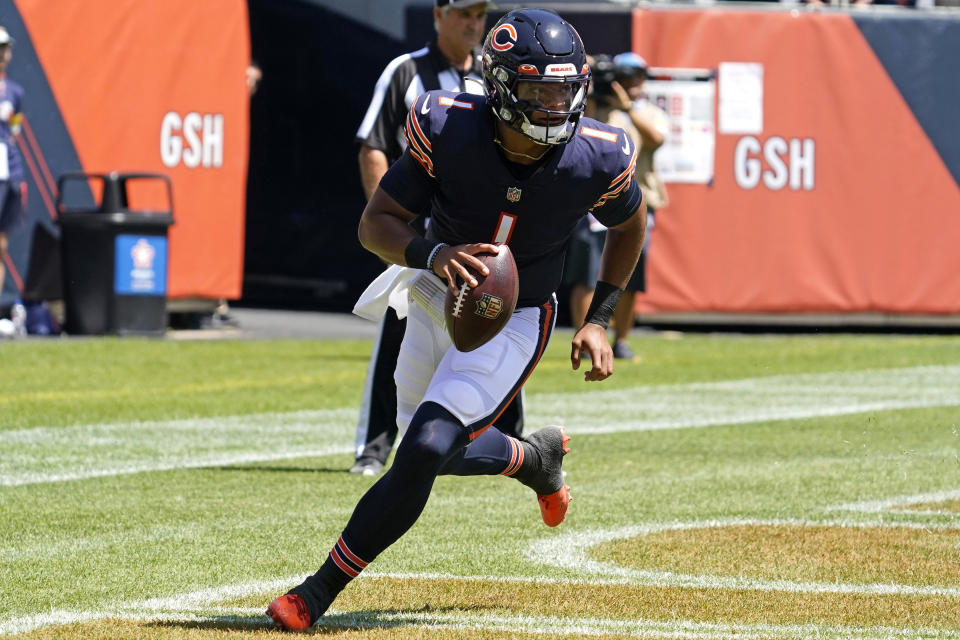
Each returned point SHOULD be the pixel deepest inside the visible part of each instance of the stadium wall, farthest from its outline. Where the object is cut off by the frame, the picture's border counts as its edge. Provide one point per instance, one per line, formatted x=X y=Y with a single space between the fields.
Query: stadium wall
x=846 y=199
x=844 y=202
x=122 y=85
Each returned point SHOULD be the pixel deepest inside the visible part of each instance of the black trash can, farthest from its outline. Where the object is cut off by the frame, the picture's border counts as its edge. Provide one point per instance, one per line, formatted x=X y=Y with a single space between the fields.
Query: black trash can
x=114 y=257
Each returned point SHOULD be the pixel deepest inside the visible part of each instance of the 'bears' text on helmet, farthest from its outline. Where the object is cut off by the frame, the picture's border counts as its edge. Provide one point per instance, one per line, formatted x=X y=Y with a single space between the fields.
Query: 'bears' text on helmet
x=535 y=74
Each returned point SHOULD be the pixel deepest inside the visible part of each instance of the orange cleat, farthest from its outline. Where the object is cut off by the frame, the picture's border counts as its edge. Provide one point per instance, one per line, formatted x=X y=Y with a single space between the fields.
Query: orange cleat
x=289 y=613
x=553 y=508
x=553 y=494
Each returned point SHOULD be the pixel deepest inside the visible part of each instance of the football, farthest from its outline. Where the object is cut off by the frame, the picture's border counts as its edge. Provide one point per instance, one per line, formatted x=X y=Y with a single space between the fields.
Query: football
x=476 y=314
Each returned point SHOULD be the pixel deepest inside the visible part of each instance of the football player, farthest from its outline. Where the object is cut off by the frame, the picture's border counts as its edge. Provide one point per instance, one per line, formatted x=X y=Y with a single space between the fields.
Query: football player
x=518 y=165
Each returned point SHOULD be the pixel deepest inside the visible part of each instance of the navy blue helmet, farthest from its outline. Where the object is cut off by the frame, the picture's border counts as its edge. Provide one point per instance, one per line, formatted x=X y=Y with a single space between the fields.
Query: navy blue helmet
x=535 y=74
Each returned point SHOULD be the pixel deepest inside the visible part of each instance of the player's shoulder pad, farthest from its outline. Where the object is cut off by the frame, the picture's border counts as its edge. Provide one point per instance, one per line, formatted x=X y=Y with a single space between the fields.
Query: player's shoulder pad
x=433 y=107
x=610 y=146
x=614 y=154
x=427 y=118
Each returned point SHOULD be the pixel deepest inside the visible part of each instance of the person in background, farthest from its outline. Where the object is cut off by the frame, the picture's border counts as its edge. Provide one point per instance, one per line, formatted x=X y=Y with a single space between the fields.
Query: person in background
x=13 y=187
x=450 y=62
x=618 y=99
x=221 y=314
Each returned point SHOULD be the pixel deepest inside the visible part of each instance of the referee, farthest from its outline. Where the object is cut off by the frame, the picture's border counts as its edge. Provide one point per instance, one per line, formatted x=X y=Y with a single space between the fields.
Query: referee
x=450 y=62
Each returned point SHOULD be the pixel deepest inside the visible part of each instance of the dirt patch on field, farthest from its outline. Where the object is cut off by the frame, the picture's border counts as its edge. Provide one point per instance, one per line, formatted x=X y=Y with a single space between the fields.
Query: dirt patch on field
x=857 y=555
x=634 y=602
x=481 y=609
x=944 y=506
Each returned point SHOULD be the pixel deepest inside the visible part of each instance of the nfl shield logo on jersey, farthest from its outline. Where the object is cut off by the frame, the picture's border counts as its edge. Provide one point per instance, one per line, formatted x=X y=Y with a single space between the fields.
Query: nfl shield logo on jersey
x=513 y=194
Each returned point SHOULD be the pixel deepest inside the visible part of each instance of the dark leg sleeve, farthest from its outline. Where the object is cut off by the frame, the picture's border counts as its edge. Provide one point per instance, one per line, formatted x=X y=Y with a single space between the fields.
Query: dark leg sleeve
x=394 y=503
x=391 y=506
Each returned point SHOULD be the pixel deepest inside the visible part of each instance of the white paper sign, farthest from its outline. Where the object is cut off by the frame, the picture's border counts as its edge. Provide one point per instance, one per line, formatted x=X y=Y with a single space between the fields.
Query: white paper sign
x=688 y=149
x=741 y=97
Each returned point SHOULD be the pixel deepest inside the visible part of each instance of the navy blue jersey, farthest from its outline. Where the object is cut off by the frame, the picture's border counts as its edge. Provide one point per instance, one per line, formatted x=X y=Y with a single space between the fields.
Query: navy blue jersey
x=453 y=167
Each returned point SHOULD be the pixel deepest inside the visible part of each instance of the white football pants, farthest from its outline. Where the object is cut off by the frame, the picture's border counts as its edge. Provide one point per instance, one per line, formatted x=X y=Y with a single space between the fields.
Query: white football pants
x=475 y=386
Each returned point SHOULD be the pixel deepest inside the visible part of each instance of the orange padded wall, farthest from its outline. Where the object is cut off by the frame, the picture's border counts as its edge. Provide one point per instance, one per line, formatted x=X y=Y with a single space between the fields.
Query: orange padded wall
x=160 y=87
x=879 y=229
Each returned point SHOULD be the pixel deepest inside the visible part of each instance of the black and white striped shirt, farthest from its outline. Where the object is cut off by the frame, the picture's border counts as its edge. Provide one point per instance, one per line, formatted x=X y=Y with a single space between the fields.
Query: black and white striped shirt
x=405 y=78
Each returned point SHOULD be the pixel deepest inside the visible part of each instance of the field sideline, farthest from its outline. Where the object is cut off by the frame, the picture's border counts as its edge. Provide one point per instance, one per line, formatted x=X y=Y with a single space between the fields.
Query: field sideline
x=724 y=486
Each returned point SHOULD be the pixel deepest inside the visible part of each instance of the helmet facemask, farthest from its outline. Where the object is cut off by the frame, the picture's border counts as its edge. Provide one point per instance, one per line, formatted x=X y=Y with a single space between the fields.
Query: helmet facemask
x=543 y=107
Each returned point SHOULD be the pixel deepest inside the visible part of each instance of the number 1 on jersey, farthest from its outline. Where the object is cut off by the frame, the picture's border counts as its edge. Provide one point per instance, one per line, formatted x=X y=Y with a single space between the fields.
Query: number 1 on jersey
x=504 y=227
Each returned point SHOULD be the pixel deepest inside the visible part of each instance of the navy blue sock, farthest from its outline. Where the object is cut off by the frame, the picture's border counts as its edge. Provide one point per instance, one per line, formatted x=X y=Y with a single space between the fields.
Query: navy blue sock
x=490 y=453
x=319 y=590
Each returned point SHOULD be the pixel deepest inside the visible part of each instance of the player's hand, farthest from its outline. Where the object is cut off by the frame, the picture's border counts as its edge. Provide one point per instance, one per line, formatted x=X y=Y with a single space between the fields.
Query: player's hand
x=458 y=260
x=592 y=339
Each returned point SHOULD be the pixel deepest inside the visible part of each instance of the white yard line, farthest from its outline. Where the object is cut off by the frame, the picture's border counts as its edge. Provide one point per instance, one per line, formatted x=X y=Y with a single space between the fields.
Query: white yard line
x=570 y=552
x=203 y=605
x=780 y=397
x=60 y=454
x=147 y=609
x=899 y=504
x=686 y=629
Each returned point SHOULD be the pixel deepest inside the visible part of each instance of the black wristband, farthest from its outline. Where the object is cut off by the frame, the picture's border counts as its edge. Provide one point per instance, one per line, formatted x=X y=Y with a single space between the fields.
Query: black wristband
x=605 y=299
x=418 y=252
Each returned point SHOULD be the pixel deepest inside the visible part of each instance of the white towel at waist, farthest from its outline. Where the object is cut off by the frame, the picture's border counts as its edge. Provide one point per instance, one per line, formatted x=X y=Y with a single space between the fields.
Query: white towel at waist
x=389 y=289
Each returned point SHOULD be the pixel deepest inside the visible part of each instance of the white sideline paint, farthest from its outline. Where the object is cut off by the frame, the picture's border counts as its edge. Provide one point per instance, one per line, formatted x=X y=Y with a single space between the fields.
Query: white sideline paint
x=569 y=552
x=200 y=606
x=50 y=548
x=145 y=609
x=60 y=454
x=899 y=504
x=687 y=629
x=780 y=397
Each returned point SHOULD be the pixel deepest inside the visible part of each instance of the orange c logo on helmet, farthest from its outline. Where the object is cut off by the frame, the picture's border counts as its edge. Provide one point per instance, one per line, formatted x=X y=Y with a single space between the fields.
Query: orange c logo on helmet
x=510 y=40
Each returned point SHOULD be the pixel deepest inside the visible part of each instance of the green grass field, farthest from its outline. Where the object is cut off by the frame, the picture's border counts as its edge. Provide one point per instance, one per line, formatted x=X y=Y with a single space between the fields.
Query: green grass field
x=724 y=487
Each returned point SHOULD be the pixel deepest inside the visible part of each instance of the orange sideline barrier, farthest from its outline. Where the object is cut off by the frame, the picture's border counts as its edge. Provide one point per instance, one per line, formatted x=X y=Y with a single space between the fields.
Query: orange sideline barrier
x=159 y=87
x=868 y=224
